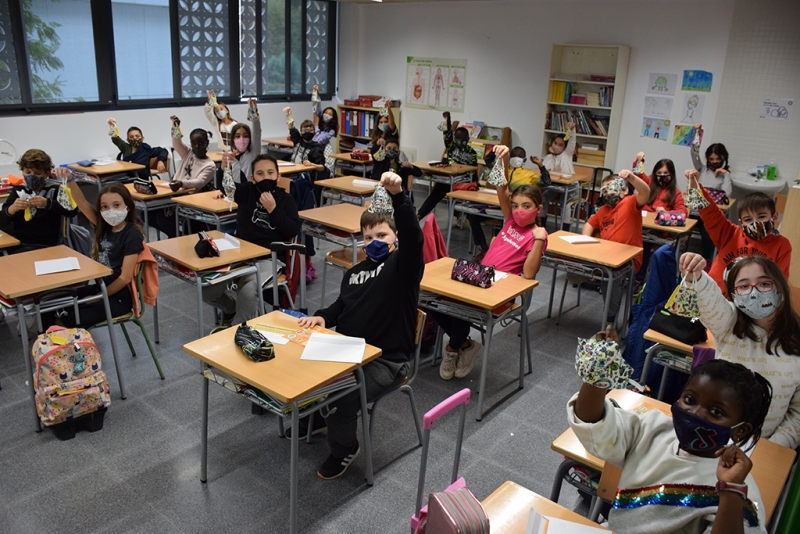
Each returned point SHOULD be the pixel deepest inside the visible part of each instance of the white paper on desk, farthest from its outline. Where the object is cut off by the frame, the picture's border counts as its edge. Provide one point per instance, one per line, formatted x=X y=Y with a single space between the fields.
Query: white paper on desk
x=333 y=348
x=276 y=339
x=368 y=183
x=56 y=266
x=490 y=191
x=540 y=524
x=578 y=239
x=286 y=163
x=104 y=161
x=227 y=243
x=499 y=275
x=559 y=174
x=160 y=183
x=644 y=213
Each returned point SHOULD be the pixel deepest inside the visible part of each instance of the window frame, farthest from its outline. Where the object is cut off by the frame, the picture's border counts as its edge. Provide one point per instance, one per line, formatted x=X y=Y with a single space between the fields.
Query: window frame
x=105 y=61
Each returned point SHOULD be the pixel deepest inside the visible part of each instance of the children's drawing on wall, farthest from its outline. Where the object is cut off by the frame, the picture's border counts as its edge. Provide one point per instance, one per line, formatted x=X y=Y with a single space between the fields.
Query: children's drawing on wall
x=662 y=84
x=418 y=84
x=697 y=80
x=777 y=108
x=655 y=128
x=455 y=97
x=684 y=133
x=439 y=86
x=692 y=110
x=657 y=106
x=458 y=78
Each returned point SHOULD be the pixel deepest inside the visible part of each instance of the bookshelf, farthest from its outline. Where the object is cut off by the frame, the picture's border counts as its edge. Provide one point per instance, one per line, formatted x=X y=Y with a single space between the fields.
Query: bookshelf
x=501 y=136
x=362 y=121
x=587 y=86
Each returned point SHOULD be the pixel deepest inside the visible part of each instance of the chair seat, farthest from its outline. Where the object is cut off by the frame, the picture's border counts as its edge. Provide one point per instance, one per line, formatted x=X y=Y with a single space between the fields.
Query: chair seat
x=343 y=257
x=281 y=280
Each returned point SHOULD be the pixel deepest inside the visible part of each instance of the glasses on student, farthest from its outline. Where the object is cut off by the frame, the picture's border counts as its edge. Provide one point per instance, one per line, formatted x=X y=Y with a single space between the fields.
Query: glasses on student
x=761 y=287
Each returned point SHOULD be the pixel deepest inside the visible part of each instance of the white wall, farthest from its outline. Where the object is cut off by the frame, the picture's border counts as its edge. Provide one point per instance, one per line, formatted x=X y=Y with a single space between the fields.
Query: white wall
x=763 y=61
x=508 y=47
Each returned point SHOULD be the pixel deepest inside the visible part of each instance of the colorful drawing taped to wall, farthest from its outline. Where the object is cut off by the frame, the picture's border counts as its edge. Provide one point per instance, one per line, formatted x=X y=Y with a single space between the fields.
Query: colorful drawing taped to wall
x=777 y=109
x=693 y=105
x=662 y=84
x=458 y=78
x=418 y=84
x=683 y=135
x=697 y=80
x=439 y=86
x=658 y=107
x=655 y=128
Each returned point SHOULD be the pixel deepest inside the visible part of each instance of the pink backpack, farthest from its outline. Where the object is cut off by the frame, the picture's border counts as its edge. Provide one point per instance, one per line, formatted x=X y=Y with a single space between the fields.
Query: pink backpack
x=68 y=379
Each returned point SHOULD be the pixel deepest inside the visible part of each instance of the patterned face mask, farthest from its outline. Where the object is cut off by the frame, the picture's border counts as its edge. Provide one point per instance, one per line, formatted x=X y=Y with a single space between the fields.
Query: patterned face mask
x=758 y=305
x=136 y=142
x=758 y=230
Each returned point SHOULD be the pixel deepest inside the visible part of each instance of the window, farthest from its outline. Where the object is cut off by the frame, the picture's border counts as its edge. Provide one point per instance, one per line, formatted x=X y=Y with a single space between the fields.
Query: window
x=108 y=54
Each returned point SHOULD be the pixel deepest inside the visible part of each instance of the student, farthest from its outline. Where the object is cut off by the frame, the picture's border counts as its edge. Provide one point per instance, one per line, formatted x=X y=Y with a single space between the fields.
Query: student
x=220 y=118
x=386 y=128
x=517 y=176
x=559 y=159
x=32 y=211
x=326 y=127
x=672 y=480
x=620 y=220
x=664 y=193
x=306 y=151
x=516 y=250
x=457 y=150
x=195 y=172
x=395 y=161
x=266 y=214
x=117 y=244
x=246 y=148
x=755 y=235
x=378 y=301
x=759 y=329
x=715 y=172
x=136 y=150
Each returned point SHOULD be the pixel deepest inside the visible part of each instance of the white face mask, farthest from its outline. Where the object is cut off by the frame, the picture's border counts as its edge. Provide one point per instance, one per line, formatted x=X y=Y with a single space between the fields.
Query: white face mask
x=327 y=117
x=221 y=114
x=516 y=162
x=114 y=217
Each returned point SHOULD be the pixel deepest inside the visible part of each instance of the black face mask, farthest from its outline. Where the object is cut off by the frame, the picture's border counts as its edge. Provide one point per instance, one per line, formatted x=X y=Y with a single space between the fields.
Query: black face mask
x=307 y=136
x=266 y=186
x=199 y=152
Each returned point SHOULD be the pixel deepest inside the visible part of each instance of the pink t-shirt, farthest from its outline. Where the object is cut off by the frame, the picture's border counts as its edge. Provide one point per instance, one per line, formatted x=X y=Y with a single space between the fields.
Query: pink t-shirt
x=510 y=248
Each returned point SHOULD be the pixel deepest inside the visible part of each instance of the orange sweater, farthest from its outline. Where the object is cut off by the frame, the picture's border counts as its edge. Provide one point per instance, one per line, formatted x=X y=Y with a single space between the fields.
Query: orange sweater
x=149 y=281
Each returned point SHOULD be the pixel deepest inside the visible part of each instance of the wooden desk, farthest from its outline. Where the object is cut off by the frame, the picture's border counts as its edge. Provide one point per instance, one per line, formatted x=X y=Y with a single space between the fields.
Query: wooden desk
x=285 y=377
x=147 y=203
x=296 y=168
x=215 y=156
x=342 y=217
x=184 y=263
x=665 y=343
x=24 y=285
x=454 y=169
x=581 y=174
x=204 y=207
x=656 y=234
x=346 y=162
x=509 y=505
x=771 y=462
x=466 y=202
x=607 y=257
x=7 y=241
x=478 y=305
x=96 y=174
x=283 y=142
x=354 y=193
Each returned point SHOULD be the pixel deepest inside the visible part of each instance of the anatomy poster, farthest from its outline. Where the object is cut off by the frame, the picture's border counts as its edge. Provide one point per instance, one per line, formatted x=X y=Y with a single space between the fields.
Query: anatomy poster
x=435 y=83
x=662 y=84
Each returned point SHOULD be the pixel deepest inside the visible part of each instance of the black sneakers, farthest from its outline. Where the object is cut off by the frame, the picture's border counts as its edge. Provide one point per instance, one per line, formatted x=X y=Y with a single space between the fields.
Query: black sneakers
x=335 y=467
x=319 y=426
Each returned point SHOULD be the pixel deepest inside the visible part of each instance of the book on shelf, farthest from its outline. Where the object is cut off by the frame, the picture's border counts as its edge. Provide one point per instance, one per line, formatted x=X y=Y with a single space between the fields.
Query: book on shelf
x=592 y=146
x=477 y=127
x=585 y=122
x=606 y=78
x=577 y=98
x=592 y=99
x=491 y=133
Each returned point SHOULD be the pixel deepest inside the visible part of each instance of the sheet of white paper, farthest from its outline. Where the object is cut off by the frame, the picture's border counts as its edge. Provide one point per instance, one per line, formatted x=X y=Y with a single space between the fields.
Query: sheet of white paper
x=285 y=163
x=644 y=213
x=276 y=339
x=577 y=239
x=227 y=243
x=366 y=183
x=499 y=275
x=159 y=183
x=56 y=266
x=559 y=174
x=104 y=161
x=539 y=524
x=490 y=191
x=332 y=348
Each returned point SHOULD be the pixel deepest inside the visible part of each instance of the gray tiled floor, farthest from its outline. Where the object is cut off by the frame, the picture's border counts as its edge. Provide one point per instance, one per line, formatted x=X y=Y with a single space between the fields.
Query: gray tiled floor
x=141 y=472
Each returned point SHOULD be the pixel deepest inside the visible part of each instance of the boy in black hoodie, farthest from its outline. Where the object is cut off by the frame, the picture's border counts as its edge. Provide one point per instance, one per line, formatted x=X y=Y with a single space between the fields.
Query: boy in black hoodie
x=266 y=214
x=377 y=301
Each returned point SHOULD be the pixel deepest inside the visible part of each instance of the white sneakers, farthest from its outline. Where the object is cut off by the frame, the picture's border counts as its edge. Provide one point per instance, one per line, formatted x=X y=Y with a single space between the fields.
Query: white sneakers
x=459 y=363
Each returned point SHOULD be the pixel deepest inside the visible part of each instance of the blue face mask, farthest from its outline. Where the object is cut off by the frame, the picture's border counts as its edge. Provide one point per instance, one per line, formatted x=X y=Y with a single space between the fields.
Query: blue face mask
x=697 y=435
x=379 y=250
x=34 y=182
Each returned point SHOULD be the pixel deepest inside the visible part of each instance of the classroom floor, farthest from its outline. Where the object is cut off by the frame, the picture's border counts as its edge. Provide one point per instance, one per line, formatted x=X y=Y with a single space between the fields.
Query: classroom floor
x=140 y=473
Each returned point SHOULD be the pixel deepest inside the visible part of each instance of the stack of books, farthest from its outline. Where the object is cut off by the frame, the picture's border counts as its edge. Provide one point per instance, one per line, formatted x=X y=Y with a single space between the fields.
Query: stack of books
x=591 y=156
x=592 y=99
x=560 y=91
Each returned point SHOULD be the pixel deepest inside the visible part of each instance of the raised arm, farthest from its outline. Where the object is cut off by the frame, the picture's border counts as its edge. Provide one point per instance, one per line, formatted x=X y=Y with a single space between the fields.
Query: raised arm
x=177 y=144
x=84 y=205
x=570 y=150
x=716 y=312
x=392 y=123
x=695 y=151
x=409 y=232
x=642 y=189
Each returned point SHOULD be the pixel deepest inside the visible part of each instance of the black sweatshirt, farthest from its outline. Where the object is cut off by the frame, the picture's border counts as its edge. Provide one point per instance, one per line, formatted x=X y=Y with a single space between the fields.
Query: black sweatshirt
x=256 y=225
x=378 y=301
x=45 y=226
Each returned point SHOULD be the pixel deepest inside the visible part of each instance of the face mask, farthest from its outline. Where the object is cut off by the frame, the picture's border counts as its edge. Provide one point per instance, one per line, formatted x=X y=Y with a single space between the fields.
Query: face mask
x=663 y=180
x=557 y=149
x=758 y=305
x=612 y=199
x=327 y=117
x=696 y=435
x=266 y=185
x=714 y=166
x=221 y=114
x=392 y=153
x=524 y=217
x=34 y=182
x=114 y=217
x=378 y=250
x=383 y=127
x=461 y=143
x=241 y=144
x=516 y=162
x=307 y=136
x=758 y=230
x=135 y=143
x=199 y=152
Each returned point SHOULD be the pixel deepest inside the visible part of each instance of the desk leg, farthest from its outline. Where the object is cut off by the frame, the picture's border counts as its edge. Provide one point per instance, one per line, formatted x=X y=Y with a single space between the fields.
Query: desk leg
x=355 y=252
x=109 y=319
x=204 y=430
x=451 y=208
x=155 y=321
x=177 y=221
x=552 y=292
x=647 y=359
x=524 y=344
x=219 y=222
x=663 y=385
x=485 y=362
x=200 y=328
x=607 y=306
x=26 y=357
x=626 y=317
x=260 y=292
x=362 y=390
x=295 y=448
x=562 y=470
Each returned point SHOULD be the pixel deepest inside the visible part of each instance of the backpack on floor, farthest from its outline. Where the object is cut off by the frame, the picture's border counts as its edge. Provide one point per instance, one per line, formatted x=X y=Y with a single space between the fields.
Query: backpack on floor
x=68 y=379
